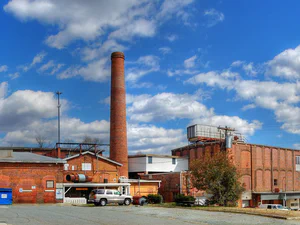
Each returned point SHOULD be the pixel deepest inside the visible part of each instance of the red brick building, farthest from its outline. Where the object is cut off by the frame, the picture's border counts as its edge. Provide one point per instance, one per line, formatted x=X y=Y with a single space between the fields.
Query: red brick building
x=32 y=177
x=270 y=174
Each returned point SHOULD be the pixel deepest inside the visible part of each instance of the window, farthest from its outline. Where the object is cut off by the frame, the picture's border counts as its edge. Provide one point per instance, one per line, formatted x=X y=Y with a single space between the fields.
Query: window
x=66 y=166
x=150 y=159
x=297 y=163
x=100 y=191
x=275 y=182
x=109 y=192
x=86 y=166
x=173 y=161
x=116 y=193
x=50 y=184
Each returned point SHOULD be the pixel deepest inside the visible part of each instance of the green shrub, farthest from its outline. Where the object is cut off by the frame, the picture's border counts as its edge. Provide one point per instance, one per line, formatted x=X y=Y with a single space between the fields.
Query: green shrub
x=184 y=198
x=154 y=199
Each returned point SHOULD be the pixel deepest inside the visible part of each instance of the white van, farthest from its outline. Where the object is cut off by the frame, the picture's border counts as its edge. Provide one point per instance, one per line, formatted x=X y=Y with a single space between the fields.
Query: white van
x=272 y=206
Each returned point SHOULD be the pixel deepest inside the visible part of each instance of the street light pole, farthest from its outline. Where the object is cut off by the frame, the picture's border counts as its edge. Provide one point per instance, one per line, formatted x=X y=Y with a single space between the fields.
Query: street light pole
x=58 y=117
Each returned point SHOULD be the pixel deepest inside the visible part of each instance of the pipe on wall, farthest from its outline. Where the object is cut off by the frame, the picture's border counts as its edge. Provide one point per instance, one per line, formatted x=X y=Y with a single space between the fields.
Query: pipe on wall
x=78 y=178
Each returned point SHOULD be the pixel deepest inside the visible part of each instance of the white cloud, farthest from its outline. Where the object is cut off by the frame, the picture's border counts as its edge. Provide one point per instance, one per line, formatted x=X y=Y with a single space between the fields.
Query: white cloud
x=152 y=139
x=24 y=107
x=213 y=78
x=26 y=114
x=165 y=50
x=249 y=68
x=281 y=98
x=172 y=37
x=167 y=106
x=143 y=66
x=91 y=53
x=190 y=62
x=36 y=60
x=77 y=20
x=141 y=27
x=213 y=17
x=97 y=71
x=286 y=64
x=172 y=73
x=249 y=106
x=3 y=68
x=14 y=75
x=174 y=7
x=170 y=106
x=51 y=67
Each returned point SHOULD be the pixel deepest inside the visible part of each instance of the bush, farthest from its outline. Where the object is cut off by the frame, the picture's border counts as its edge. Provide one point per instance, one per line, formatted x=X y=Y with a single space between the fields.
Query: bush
x=184 y=198
x=154 y=199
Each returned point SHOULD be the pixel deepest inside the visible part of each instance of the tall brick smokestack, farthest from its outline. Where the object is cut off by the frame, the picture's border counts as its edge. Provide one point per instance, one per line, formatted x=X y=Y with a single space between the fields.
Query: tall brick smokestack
x=118 y=132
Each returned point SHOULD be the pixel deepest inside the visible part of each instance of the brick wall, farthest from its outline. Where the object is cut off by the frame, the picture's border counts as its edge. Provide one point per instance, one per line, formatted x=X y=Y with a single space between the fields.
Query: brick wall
x=259 y=165
x=100 y=169
x=28 y=181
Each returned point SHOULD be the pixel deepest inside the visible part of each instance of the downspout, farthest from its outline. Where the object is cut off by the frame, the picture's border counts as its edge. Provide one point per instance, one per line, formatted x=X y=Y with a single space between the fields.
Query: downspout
x=180 y=180
x=272 y=175
x=293 y=167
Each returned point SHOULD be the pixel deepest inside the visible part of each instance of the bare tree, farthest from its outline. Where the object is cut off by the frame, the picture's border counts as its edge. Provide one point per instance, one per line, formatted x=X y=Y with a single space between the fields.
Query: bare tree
x=90 y=140
x=41 y=141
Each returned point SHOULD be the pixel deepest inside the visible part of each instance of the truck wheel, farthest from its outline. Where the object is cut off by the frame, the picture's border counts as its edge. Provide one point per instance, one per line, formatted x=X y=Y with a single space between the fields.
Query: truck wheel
x=127 y=201
x=103 y=202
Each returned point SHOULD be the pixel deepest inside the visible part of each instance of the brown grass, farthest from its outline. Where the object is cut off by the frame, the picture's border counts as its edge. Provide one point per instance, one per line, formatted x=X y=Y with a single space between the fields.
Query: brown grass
x=252 y=211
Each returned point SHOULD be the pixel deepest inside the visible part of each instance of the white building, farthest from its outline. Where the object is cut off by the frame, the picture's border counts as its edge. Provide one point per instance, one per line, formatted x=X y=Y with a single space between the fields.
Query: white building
x=151 y=163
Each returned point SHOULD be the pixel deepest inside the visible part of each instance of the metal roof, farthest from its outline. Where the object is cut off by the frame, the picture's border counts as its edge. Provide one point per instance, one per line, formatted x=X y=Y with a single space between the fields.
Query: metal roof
x=156 y=155
x=27 y=157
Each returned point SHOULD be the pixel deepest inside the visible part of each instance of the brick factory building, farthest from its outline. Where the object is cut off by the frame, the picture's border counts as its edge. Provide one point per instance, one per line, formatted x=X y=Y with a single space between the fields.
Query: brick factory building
x=32 y=177
x=270 y=174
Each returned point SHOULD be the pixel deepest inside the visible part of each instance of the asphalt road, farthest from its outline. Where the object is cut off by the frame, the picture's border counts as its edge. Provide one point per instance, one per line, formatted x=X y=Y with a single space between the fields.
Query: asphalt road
x=73 y=215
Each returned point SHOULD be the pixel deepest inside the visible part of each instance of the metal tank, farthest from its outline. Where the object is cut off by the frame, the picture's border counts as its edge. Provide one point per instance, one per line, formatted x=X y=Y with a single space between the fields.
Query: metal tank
x=198 y=132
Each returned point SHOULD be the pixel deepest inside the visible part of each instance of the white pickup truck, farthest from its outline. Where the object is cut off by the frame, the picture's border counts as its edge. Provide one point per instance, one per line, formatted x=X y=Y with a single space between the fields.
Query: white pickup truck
x=105 y=196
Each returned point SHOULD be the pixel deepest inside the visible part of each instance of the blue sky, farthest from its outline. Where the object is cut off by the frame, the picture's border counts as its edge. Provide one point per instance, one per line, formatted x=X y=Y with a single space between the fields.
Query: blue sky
x=234 y=63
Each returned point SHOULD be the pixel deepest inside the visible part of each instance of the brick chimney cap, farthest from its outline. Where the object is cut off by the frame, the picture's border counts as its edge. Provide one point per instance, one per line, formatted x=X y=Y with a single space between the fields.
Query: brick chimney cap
x=117 y=55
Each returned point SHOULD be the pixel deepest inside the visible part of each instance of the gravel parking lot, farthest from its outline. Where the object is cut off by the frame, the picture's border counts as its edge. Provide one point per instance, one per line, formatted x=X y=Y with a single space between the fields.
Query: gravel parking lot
x=72 y=215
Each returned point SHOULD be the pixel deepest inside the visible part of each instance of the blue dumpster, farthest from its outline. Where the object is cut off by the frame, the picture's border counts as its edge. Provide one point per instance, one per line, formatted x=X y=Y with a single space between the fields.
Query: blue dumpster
x=5 y=196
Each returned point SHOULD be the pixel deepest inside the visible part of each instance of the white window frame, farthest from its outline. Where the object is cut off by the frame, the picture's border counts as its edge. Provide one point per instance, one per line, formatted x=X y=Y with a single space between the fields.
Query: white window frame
x=297 y=163
x=86 y=166
x=66 y=166
x=50 y=182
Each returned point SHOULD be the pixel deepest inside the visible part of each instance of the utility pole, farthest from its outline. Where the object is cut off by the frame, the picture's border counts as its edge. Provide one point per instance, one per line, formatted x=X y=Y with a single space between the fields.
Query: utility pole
x=58 y=117
x=226 y=129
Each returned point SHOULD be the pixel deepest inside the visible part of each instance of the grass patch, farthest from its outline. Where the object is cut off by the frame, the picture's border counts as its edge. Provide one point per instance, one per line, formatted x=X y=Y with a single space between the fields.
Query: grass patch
x=281 y=214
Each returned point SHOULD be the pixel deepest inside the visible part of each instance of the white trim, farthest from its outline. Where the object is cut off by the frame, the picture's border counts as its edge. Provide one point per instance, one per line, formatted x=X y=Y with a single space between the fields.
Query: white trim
x=141 y=181
x=49 y=190
x=94 y=184
x=93 y=154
